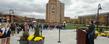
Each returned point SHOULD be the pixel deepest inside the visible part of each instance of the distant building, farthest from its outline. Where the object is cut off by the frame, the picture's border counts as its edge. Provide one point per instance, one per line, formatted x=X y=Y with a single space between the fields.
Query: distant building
x=9 y=18
x=54 y=12
x=67 y=19
x=103 y=19
x=40 y=20
x=75 y=21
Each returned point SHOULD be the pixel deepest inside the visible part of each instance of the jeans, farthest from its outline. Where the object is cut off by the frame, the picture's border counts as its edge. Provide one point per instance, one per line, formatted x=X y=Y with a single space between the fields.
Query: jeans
x=90 y=38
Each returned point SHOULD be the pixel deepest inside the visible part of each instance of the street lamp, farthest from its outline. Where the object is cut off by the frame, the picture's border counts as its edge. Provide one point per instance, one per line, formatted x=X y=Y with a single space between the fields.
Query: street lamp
x=97 y=19
x=11 y=12
x=107 y=24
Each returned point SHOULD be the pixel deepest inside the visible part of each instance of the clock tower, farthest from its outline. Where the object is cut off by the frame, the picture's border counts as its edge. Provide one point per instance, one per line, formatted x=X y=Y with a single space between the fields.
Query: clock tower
x=54 y=11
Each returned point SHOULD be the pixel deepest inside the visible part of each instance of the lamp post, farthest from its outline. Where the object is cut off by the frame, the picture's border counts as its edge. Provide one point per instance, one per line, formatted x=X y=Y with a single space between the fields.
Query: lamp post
x=97 y=19
x=108 y=21
x=107 y=24
x=11 y=12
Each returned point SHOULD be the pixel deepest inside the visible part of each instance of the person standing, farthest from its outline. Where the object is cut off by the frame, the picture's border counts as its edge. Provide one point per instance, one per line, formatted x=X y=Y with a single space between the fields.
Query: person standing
x=3 y=39
x=91 y=33
x=26 y=27
x=7 y=33
x=1 y=31
x=13 y=28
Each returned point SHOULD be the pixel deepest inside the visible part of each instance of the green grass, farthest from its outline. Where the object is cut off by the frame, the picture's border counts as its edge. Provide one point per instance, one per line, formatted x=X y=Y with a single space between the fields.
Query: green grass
x=73 y=26
x=76 y=26
x=70 y=27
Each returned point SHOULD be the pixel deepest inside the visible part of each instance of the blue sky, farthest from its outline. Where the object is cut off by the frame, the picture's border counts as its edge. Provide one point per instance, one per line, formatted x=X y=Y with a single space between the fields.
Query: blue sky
x=36 y=8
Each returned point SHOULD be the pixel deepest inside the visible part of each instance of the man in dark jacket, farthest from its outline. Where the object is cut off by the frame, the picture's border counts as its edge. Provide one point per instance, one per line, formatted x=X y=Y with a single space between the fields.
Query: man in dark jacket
x=91 y=33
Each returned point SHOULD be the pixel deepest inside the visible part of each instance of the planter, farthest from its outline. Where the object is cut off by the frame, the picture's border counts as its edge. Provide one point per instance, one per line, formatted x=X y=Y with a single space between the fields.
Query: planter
x=39 y=42
x=23 y=42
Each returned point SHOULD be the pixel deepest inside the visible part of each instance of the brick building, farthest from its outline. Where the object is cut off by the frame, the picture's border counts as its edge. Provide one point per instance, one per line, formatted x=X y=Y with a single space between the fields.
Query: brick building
x=103 y=19
x=8 y=18
x=54 y=11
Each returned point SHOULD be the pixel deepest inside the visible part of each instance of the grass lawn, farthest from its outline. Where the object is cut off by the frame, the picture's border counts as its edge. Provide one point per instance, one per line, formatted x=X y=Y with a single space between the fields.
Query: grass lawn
x=75 y=26
x=72 y=26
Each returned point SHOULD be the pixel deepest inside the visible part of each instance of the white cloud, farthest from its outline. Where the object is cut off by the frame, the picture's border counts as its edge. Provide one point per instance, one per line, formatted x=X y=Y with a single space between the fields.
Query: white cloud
x=73 y=8
x=86 y=7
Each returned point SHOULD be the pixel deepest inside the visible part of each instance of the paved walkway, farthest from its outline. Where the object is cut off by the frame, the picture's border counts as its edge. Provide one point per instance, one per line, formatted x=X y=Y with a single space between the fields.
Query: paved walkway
x=67 y=37
x=102 y=40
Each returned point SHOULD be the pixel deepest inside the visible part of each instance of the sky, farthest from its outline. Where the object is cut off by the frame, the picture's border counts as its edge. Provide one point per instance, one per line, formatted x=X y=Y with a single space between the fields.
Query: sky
x=37 y=8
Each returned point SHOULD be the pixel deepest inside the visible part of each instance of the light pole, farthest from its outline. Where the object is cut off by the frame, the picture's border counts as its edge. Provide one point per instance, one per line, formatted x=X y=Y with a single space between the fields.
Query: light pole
x=97 y=19
x=108 y=21
x=107 y=24
x=11 y=12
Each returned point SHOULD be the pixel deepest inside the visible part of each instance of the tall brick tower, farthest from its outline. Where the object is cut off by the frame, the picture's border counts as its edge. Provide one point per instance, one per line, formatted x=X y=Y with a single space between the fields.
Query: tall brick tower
x=54 y=11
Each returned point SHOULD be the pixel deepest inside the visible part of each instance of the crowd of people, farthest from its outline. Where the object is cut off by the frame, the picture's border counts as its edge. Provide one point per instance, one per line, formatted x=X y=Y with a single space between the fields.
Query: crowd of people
x=52 y=26
x=9 y=29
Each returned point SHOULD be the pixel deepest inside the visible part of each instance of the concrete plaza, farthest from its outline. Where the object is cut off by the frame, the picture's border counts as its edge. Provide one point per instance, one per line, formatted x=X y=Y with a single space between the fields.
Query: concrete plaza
x=67 y=37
